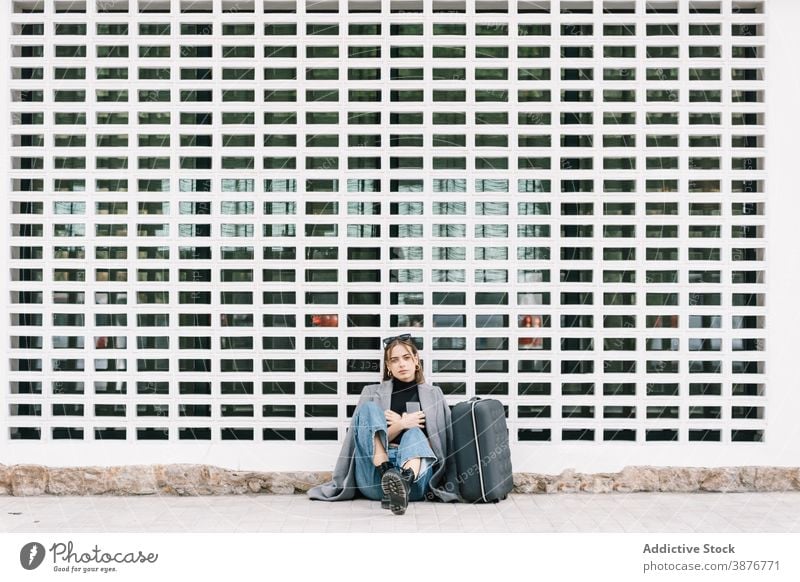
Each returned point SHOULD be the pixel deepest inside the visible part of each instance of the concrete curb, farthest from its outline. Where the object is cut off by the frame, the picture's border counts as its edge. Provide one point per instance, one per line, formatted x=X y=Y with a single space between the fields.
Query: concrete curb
x=195 y=480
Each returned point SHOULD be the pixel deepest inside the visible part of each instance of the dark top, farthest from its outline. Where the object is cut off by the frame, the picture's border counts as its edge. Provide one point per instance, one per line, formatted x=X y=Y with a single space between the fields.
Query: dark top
x=403 y=392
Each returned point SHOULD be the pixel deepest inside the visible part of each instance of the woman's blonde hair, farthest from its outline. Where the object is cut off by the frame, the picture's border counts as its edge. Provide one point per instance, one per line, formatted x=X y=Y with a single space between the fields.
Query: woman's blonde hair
x=419 y=376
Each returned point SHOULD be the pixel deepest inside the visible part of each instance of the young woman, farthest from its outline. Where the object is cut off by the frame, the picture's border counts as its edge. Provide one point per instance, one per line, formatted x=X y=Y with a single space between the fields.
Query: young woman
x=399 y=443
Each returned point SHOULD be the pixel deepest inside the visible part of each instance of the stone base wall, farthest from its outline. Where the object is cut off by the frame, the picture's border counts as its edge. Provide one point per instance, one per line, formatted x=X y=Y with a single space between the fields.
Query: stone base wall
x=21 y=480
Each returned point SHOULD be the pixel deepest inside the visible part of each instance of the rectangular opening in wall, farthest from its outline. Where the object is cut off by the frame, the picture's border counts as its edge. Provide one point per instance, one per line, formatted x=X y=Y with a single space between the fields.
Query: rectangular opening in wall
x=704 y=7
x=748 y=389
x=747 y=436
x=577 y=434
x=659 y=7
x=322 y=6
x=534 y=434
x=278 y=387
x=320 y=434
x=70 y=6
x=491 y=388
x=459 y=388
x=67 y=433
x=664 y=434
x=406 y=6
x=197 y=6
x=751 y=412
x=280 y=6
x=236 y=434
x=619 y=7
x=110 y=434
x=535 y=411
x=25 y=387
x=154 y=6
x=238 y=6
x=200 y=433
x=705 y=435
x=577 y=6
x=278 y=434
x=112 y=6
x=624 y=434
x=747 y=7
x=364 y=6
x=451 y=6
x=28 y=6
x=491 y=6
x=533 y=7
x=24 y=433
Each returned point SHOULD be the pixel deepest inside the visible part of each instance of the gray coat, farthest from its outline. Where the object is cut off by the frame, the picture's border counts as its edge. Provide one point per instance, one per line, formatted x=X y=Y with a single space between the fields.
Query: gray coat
x=443 y=484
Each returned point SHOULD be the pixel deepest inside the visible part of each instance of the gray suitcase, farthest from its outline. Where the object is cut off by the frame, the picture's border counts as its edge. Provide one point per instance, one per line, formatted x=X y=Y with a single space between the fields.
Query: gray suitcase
x=481 y=451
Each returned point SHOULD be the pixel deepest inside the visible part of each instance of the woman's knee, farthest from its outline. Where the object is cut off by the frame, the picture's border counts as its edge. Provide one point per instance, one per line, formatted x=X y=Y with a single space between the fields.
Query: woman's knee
x=413 y=435
x=368 y=420
x=368 y=410
x=368 y=407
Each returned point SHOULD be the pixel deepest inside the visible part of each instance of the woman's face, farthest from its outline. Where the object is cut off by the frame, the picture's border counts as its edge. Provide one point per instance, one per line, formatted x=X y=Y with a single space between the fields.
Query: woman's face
x=402 y=363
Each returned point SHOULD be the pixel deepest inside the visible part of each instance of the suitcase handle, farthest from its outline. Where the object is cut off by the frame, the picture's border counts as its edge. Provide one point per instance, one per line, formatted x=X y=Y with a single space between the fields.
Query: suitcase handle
x=474 y=400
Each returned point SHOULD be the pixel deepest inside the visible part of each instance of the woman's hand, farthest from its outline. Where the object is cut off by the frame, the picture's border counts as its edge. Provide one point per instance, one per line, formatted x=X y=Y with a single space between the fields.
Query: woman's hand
x=406 y=421
x=413 y=420
x=392 y=418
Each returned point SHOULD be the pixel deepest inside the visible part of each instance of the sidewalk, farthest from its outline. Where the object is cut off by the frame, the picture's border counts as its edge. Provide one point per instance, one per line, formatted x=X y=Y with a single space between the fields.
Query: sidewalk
x=610 y=512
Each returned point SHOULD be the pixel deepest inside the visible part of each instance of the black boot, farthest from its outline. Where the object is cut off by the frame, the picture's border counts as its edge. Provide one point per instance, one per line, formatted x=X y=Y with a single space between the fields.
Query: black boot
x=382 y=468
x=396 y=487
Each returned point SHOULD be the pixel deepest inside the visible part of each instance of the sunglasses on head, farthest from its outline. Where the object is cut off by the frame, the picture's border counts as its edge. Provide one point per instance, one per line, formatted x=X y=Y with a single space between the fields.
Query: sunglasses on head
x=388 y=340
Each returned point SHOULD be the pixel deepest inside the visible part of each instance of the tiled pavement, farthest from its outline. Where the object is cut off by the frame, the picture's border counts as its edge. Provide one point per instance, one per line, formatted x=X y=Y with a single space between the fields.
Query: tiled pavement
x=611 y=512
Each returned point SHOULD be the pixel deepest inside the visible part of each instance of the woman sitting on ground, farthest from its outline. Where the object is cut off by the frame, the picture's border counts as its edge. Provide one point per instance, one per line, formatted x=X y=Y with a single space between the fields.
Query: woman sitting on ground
x=400 y=441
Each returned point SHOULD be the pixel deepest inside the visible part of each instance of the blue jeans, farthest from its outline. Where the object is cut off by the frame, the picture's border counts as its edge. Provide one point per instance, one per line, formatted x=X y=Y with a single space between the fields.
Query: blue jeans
x=368 y=420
